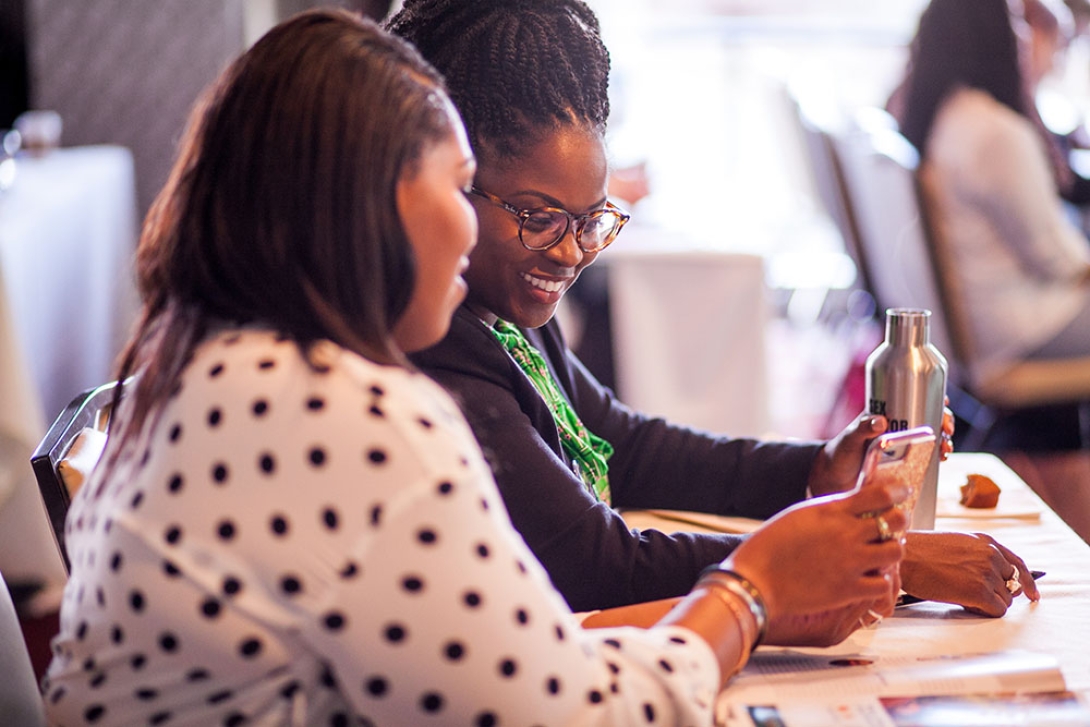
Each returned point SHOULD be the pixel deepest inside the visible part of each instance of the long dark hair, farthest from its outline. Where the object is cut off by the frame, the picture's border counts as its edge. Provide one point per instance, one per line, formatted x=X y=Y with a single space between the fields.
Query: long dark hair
x=514 y=68
x=281 y=206
x=961 y=43
x=969 y=44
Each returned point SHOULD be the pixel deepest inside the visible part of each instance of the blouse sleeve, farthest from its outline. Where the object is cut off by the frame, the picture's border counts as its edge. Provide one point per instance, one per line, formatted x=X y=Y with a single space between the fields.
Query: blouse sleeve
x=450 y=615
x=591 y=554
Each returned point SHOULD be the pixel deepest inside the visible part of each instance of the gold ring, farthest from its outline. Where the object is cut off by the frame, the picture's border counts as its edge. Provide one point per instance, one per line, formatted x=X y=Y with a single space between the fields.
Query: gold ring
x=1013 y=584
x=884 y=531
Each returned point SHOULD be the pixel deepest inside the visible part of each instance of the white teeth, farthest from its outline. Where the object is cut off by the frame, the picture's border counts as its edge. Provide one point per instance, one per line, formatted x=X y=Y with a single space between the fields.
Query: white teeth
x=549 y=286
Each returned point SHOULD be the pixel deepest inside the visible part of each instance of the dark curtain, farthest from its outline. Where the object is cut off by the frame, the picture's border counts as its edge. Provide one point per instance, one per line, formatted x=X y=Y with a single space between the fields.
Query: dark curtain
x=13 y=63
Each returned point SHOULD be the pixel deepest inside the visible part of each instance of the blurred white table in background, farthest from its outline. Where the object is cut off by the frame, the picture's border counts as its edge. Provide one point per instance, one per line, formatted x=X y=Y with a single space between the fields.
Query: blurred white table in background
x=689 y=326
x=67 y=299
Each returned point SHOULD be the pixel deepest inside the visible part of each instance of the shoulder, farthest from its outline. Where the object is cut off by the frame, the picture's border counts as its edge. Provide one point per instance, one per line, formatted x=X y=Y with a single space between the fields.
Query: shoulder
x=255 y=414
x=981 y=146
x=251 y=362
x=971 y=121
x=255 y=387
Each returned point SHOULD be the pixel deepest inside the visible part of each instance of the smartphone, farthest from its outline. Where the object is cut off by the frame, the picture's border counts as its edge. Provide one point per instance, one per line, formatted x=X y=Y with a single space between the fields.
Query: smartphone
x=899 y=458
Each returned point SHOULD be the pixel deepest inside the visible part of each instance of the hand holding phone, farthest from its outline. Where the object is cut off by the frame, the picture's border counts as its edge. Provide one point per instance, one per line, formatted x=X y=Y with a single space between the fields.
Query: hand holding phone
x=899 y=458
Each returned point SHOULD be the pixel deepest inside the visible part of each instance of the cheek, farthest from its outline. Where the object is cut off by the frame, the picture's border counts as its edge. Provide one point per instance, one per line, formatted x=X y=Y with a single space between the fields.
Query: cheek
x=588 y=259
x=481 y=264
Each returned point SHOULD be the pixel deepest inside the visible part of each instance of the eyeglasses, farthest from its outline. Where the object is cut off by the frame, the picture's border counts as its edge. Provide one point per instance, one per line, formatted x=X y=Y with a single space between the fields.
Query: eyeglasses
x=543 y=227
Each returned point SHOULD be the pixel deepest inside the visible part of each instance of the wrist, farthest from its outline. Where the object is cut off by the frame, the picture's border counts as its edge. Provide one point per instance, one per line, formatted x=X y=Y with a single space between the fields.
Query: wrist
x=910 y=563
x=744 y=621
x=818 y=480
x=718 y=577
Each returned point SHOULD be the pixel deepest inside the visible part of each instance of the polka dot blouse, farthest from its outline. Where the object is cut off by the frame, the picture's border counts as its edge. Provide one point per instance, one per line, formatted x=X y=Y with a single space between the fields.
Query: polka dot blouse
x=320 y=542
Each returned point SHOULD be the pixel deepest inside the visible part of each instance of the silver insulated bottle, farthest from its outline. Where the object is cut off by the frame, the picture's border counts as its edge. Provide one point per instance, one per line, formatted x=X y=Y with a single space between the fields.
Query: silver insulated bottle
x=906 y=383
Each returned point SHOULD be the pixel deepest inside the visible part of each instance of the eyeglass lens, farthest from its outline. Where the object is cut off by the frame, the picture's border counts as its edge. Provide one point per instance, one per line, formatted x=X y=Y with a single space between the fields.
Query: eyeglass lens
x=544 y=227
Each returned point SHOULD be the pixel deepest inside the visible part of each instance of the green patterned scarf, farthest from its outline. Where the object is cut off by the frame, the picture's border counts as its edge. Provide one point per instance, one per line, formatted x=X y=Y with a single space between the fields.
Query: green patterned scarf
x=589 y=451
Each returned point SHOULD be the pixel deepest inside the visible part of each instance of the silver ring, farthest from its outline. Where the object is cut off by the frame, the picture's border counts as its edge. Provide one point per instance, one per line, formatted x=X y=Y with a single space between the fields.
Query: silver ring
x=1013 y=584
x=884 y=531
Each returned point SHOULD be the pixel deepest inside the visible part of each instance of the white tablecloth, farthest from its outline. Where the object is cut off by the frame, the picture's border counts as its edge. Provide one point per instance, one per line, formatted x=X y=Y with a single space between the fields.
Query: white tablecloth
x=67 y=300
x=689 y=334
x=1058 y=625
x=67 y=235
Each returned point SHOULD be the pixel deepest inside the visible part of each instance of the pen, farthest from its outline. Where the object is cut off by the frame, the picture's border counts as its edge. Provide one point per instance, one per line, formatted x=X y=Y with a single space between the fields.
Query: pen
x=907 y=600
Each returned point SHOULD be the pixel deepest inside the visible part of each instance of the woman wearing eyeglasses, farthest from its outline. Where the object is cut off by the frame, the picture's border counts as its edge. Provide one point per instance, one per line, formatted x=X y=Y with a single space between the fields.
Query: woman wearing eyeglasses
x=530 y=80
x=293 y=527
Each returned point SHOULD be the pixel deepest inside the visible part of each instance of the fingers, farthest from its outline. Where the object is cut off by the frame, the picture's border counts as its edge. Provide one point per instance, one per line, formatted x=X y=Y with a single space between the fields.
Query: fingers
x=946 y=436
x=881 y=585
x=869 y=500
x=948 y=422
x=836 y=468
x=1014 y=569
x=874 y=425
x=1021 y=571
x=826 y=627
x=996 y=602
x=946 y=446
x=884 y=531
x=1029 y=585
x=887 y=525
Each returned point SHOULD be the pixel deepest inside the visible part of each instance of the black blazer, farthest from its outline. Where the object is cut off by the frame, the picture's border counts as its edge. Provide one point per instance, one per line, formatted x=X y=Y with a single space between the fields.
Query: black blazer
x=594 y=559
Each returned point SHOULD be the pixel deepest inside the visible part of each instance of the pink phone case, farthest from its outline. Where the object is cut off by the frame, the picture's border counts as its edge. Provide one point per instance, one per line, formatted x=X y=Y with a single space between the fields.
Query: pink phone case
x=900 y=457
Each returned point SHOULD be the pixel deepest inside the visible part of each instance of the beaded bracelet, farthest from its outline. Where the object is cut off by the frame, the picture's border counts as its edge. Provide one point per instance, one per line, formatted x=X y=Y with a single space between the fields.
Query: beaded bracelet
x=741 y=587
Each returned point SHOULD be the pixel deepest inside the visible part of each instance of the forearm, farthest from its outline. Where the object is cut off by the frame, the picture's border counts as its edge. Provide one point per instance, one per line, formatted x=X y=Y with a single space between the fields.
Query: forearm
x=722 y=621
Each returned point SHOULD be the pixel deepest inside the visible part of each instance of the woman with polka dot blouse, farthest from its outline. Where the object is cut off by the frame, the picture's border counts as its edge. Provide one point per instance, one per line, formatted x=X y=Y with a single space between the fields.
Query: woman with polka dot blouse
x=291 y=527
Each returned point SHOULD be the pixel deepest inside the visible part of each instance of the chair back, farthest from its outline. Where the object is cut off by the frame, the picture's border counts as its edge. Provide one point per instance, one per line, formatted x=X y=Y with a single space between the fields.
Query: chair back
x=817 y=123
x=949 y=288
x=910 y=266
x=69 y=451
x=20 y=699
x=879 y=167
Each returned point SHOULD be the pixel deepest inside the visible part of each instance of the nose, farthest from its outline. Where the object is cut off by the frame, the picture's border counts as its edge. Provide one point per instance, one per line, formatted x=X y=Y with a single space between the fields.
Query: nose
x=567 y=252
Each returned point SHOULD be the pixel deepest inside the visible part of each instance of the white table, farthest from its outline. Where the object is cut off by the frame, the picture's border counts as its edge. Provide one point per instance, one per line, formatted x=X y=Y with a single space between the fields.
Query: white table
x=67 y=301
x=1058 y=625
x=689 y=326
x=67 y=236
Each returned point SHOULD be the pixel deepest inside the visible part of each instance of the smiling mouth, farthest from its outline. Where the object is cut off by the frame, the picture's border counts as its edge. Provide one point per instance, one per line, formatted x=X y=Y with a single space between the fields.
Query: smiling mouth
x=549 y=286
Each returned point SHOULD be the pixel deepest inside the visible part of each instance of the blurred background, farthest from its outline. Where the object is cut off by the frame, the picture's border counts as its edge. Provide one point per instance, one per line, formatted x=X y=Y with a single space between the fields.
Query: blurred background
x=730 y=302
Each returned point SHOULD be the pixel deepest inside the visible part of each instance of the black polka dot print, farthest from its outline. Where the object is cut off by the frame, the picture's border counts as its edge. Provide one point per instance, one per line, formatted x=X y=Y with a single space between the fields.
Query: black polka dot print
x=327 y=533
x=211 y=608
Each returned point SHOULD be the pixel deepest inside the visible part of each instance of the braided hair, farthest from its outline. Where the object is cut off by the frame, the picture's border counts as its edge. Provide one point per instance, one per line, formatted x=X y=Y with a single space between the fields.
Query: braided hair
x=515 y=69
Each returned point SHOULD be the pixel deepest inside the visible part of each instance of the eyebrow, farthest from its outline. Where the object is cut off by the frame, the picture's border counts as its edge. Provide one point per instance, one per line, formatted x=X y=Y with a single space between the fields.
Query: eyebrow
x=551 y=201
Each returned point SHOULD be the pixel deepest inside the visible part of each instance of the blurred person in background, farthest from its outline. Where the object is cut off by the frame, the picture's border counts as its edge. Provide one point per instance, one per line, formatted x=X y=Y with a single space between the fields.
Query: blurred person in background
x=992 y=176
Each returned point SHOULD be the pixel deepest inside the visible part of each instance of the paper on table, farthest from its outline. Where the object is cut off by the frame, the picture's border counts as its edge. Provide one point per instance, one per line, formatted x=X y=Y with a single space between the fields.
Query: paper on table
x=953 y=508
x=777 y=675
x=1056 y=709
x=674 y=521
